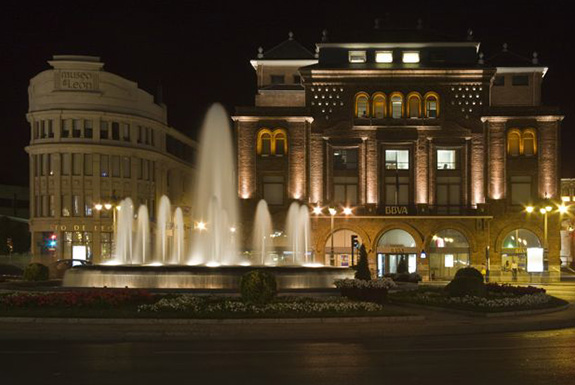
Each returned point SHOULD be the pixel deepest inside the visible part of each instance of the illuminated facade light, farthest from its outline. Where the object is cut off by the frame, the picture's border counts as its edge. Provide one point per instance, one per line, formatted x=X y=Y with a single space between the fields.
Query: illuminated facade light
x=232 y=229
x=347 y=211
x=542 y=210
x=332 y=211
x=200 y=226
x=357 y=57
x=548 y=208
x=98 y=206
x=563 y=209
x=384 y=57
x=317 y=210
x=529 y=209
x=411 y=57
x=566 y=198
x=107 y=206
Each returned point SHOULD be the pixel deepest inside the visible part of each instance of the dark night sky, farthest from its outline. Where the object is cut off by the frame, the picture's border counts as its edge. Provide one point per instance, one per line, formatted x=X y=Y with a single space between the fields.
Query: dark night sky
x=200 y=51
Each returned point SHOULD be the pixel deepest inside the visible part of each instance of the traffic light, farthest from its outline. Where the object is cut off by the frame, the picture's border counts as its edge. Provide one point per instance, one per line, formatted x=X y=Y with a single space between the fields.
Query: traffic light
x=354 y=242
x=52 y=242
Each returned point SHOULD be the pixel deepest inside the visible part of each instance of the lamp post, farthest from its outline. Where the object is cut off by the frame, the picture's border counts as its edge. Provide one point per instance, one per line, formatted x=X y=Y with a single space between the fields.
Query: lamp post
x=332 y=213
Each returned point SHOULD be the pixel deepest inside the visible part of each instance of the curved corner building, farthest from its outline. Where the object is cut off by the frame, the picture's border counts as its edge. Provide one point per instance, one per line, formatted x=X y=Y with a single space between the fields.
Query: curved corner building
x=97 y=138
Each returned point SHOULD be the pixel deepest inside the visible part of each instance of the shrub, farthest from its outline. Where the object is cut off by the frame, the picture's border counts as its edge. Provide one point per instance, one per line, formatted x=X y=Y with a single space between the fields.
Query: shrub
x=362 y=271
x=36 y=272
x=469 y=272
x=414 y=277
x=10 y=270
x=495 y=288
x=258 y=286
x=465 y=286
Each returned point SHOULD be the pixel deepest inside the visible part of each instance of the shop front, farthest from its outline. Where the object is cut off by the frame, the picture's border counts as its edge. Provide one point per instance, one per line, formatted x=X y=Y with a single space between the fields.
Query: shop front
x=448 y=252
x=396 y=247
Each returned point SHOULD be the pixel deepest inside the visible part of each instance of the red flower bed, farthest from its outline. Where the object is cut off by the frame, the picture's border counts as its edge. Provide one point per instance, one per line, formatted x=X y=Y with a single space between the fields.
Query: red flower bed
x=89 y=298
x=495 y=288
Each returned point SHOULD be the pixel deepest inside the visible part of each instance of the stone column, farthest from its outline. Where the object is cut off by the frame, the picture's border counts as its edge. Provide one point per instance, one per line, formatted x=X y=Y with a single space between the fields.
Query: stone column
x=372 y=185
x=496 y=158
x=422 y=166
x=316 y=167
x=477 y=169
x=548 y=149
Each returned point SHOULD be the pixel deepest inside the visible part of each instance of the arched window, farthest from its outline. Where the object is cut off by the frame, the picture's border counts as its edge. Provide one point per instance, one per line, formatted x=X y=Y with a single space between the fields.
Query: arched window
x=338 y=248
x=379 y=106
x=513 y=143
x=396 y=105
x=448 y=252
x=414 y=105
x=396 y=247
x=362 y=105
x=515 y=251
x=280 y=142
x=264 y=145
x=431 y=105
x=529 y=142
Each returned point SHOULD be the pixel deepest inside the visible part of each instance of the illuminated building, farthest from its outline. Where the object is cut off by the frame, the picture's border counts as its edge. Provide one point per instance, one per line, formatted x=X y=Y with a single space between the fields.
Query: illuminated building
x=437 y=149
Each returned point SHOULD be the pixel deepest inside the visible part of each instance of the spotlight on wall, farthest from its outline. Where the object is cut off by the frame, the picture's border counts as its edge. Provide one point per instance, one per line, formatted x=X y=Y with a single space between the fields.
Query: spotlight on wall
x=347 y=211
x=200 y=226
x=317 y=210
x=332 y=211
x=548 y=208
x=563 y=209
x=529 y=209
x=542 y=210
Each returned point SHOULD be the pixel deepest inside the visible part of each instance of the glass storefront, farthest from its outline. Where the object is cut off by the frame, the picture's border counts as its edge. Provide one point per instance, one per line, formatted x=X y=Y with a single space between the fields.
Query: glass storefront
x=448 y=252
x=77 y=245
x=341 y=254
x=514 y=250
x=394 y=247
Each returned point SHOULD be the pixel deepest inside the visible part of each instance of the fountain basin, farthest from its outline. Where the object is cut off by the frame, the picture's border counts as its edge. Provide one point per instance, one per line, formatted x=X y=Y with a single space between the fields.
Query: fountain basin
x=200 y=277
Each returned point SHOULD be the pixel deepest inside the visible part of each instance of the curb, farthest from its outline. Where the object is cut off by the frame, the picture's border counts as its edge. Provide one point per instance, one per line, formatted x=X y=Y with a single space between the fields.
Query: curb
x=484 y=315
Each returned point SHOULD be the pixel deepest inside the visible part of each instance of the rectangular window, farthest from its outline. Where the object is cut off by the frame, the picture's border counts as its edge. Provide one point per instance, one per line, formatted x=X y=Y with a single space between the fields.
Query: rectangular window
x=65 y=128
x=115 y=131
x=520 y=80
x=106 y=245
x=44 y=164
x=446 y=159
x=66 y=205
x=297 y=79
x=126 y=132
x=448 y=196
x=397 y=159
x=66 y=164
x=431 y=108
x=384 y=57
x=76 y=164
x=141 y=134
x=50 y=128
x=104 y=134
x=36 y=129
x=273 y=189
x=127 y=171
x=115 y=166
x=277 y=79
x=76 y=205
x=104 y=166
x=43 y=133
x=520 y=190
x=88 y=165
x=345 y=159
x=76 y=129
x=45 y=208
x=396 y=107
x=152 y=137
x=396 y=190
x=345 y=189
x=411 y=57
x=357 y=57
x=499 y=80
x=88 y=129
x=88 y=206
x=146 y=170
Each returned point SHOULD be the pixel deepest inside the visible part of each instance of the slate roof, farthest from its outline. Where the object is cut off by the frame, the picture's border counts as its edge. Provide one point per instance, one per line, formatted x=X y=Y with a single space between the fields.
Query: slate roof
x=289 y=49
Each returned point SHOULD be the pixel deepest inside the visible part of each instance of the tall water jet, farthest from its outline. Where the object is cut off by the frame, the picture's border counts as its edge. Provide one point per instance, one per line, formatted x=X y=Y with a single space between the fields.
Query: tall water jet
x=298 y=232
x=124 y=231
x=162 y=226
x=178 y=237
x=142 y=245
x=262 y=241
x=215 y=199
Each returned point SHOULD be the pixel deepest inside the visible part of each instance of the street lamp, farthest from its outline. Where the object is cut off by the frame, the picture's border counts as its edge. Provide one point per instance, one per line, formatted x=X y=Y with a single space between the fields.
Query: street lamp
x=332 y=213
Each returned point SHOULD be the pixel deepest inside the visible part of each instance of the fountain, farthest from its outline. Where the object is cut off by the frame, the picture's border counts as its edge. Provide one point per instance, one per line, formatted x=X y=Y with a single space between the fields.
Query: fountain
x=211 y=259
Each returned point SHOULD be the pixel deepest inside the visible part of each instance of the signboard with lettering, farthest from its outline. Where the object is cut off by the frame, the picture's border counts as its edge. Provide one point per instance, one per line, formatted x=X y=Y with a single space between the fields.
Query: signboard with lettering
x=397 y=210
x=78 y=81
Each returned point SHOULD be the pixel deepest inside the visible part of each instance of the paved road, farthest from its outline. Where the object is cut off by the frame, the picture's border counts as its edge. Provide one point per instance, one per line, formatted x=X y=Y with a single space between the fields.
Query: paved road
x=513 y=358
x=564 y=291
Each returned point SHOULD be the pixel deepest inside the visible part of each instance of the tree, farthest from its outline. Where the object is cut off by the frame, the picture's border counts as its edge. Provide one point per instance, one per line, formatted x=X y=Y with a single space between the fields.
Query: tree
x=362 y=271
x=402 y=267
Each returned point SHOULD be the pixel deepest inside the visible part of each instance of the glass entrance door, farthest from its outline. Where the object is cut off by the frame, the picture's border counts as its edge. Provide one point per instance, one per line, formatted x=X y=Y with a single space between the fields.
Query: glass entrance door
x=388 y=263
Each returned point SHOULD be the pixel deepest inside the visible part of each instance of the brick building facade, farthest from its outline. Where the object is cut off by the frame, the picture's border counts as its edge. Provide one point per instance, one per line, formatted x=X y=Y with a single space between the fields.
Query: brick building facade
x=421 y=147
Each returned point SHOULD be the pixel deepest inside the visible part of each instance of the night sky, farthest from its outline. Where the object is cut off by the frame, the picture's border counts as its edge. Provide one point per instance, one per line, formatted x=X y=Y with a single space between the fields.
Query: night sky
x=200 y=52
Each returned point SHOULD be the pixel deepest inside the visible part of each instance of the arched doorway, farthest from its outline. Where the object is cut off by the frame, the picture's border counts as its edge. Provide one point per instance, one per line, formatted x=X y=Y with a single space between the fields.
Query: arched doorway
x=515 y=251
x=339 y=251
x=393 y=247
x=448 y=252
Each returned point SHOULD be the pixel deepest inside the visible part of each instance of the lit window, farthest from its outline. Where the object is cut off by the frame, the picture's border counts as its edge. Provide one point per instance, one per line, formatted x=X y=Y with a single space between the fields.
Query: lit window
x=361 y=106
x=384 y=57
x=529 y=143
x=357 y=57
x=431 y=105
x=396 y=106
x=266 y=143
x=414 y=105
x=446 y=160
x=397 y=159
x=280 y=144
x=411 y=57
x=513 y=143
x=379 y=106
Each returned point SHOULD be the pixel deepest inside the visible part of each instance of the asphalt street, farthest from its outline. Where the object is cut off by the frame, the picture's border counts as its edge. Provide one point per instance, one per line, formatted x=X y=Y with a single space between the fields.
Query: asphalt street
x=511 y=358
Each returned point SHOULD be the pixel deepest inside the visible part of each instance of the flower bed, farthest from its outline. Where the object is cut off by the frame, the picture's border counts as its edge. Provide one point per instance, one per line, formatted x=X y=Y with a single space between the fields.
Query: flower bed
x=499 y=300
x=374 y=290
x=88 y=298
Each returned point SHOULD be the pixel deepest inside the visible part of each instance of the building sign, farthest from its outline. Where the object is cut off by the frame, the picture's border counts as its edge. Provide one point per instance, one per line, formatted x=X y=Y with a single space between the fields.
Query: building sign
x=396 y=210
x=78 y=80
x=535 y=260
x=101 y=228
